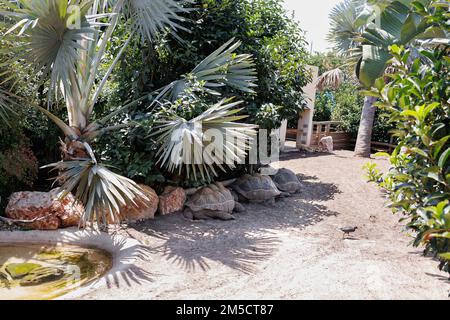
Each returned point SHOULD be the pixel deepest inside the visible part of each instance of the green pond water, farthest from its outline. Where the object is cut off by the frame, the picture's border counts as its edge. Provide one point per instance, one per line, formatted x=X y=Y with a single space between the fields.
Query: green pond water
x=32 y=272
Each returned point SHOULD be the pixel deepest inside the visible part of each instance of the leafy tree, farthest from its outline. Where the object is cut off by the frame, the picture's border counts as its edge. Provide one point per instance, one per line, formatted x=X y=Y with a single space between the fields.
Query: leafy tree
x=325 y=103
x=18 y=164
x=416 y=98
x=274 y=39
x=376 y=25
x=278 y=49
x=65 y=43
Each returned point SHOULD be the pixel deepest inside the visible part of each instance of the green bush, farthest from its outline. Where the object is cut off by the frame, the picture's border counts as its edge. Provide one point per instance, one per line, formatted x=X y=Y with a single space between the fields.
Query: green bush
x=345 y=103
x=272 y=37
x=31 y=133
x=325 y=103
x=18 y=164
x=417 y=102
x=348 y=107
x=268 y=117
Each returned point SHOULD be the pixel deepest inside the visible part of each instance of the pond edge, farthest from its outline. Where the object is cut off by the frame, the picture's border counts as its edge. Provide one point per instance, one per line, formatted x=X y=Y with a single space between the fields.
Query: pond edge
x=124 y=251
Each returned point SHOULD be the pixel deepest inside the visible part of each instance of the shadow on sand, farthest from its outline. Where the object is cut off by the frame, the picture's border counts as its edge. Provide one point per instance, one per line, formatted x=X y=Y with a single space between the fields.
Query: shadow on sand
x=243 y=243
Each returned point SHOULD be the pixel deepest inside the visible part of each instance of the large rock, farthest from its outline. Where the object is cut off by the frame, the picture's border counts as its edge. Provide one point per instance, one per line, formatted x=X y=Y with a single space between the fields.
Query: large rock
x=144 y=209
x=20 y=270
x=46 y=208
x=326 y=144
x=172 y=200
x=41 y=275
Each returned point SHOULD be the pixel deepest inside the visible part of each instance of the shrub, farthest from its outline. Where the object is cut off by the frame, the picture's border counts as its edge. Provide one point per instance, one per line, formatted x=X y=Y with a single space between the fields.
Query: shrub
x=268 y=117
x=345 y=103
x=417 y=102
x=18 y=164
x=325 y=103
x=348 y=107
x=272 y=37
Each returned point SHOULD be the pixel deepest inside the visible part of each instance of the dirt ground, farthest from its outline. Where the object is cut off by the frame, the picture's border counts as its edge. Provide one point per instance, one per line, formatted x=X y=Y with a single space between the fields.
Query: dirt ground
x=291 y=251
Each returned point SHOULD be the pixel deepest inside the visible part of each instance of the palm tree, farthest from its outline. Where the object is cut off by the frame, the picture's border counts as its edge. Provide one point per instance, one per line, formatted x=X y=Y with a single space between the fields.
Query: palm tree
x=349 y=19
x=64 y=42
x=373 y=26
x=346 y=24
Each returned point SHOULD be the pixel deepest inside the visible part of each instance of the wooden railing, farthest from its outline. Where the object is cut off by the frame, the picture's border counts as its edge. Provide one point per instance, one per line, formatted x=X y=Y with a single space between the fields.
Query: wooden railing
x=341 y=139
x=382 y=146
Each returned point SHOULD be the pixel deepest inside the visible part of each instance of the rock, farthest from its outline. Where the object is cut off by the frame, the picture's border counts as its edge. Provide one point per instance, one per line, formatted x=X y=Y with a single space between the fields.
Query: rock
x=144 y=210
x=19 y=270
x=326 y=144
x=4 y=281
x=50 y=211
x=65 y=257
x=172 y=200
x=41 y=275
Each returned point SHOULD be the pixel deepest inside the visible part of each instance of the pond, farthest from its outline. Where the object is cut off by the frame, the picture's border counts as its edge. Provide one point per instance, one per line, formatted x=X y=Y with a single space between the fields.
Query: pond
x=30 y=271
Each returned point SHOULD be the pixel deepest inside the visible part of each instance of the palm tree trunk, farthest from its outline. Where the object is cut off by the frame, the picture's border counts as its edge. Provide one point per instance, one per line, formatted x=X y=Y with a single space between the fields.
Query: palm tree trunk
x=73 y=150
x=363 y=142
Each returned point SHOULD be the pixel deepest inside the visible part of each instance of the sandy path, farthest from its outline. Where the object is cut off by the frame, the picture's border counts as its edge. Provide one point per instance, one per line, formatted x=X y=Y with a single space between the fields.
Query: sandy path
x=291 y=251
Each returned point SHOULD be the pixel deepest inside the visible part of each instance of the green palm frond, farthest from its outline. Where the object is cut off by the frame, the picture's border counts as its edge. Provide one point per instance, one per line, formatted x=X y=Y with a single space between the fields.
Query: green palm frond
x=6 y=107
x=102 y=191
x=398 y=24
x=348 y=20
x=189 y=145
x=149 y=17
x=47 y=39
x=221 y=68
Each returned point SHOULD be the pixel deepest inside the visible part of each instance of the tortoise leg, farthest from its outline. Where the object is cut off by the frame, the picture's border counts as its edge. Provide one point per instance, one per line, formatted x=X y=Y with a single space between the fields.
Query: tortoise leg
x=270 y=202
x=235 y=195
x=239 y=207
x=240 y=198
x=188 y=214
x=220 y=215
x=195 y=215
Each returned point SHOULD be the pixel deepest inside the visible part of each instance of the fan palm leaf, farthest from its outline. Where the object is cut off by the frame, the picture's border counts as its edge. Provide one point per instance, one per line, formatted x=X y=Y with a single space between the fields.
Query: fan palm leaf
x=348 y=20
x=331 y=79
x=103 y=192
x=398 y=24
x=48 y=42
x=221 y=68
x=189 y=144
x=149 y=17
x=6 y=107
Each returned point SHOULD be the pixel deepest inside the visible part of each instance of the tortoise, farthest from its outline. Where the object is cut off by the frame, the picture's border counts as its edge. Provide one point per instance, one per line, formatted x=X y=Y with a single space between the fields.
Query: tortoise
x=257 y=188
x=286 y=181
x=213 y=201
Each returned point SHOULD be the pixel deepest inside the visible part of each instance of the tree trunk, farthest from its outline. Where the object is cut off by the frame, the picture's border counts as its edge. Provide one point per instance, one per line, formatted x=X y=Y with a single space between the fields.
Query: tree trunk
x=73 y=150
x=363 y=142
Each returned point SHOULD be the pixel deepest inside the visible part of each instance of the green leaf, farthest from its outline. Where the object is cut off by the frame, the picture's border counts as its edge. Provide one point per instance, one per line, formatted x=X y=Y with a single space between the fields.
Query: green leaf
x=379 y=84
x=443 y=158
x=435 y=176
x=373 y=64
x=439 y=145
x=445 y=256
x=419 y=151
x=382 y=154
x=410 y=113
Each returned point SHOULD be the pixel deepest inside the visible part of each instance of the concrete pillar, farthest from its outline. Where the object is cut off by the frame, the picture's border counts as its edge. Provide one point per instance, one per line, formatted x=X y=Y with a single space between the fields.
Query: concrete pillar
x=305 y=121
